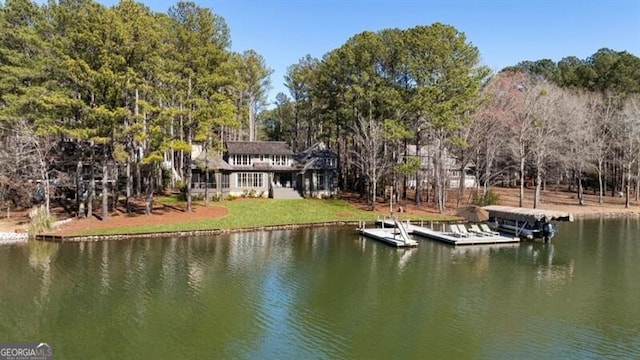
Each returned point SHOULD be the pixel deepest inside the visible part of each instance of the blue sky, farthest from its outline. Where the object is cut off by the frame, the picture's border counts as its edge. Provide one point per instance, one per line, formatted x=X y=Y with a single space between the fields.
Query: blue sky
x=505 y=31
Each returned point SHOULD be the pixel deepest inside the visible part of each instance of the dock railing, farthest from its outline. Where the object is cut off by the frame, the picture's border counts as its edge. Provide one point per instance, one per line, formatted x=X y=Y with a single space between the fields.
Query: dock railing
x=432 y=225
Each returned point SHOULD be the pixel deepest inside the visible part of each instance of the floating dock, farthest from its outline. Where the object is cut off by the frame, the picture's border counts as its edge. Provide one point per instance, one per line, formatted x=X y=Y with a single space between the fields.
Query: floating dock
x=471 y=239
x=396 y=235
x=450 y=237
x=390 y=236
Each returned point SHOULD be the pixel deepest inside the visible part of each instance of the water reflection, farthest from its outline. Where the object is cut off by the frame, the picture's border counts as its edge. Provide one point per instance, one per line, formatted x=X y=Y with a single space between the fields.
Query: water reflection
x=553 y=275
x=404 y=258
x=328 y=293
x=41 y=254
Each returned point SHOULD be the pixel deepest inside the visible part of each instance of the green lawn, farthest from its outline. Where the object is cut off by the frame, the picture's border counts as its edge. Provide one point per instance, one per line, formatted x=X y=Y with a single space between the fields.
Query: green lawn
x=248 y=213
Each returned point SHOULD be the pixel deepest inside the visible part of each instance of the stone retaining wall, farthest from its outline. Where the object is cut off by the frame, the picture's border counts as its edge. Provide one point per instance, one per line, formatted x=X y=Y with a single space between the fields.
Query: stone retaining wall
x=18 y=236
x=10 y=237
x=191 y=233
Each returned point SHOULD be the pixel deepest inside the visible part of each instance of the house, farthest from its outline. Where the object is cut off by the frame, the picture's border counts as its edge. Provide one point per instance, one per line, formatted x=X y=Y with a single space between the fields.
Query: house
x=427 y=172
x=247 y=168
x=264 y=169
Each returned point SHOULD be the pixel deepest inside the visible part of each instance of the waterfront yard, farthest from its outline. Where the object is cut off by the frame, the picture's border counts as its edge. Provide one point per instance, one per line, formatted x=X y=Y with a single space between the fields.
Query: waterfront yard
x=169 y=214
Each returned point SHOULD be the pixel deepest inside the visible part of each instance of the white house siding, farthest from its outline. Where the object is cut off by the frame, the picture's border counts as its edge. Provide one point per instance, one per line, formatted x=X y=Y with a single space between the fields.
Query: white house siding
x=241 y=182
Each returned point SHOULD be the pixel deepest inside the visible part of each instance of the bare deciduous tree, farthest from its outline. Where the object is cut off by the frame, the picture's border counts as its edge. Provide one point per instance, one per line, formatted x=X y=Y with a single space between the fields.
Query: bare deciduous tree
x=487 y=132
x=369 y=138
x=628 y=130
x=26 y=159
x=579 y=139
x=518 y=93
x=549 y=111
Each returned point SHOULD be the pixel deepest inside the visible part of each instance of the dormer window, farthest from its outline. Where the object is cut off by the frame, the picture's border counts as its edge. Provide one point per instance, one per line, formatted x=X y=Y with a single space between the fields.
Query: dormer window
x=279 y=160
x=241 y=160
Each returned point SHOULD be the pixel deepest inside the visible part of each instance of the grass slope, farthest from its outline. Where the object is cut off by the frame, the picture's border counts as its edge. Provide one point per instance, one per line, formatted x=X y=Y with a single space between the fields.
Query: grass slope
x=248 y=213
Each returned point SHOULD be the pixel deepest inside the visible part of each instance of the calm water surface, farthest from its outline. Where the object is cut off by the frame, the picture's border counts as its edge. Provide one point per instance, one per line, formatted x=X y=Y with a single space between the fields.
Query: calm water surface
x=328 y=294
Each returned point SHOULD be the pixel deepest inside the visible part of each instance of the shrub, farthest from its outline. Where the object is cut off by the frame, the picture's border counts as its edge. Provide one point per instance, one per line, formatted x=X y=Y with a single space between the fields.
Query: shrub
x=182 y=188
x=489 y=198
x=216 y=197
x=250 y=193
x=41 y=221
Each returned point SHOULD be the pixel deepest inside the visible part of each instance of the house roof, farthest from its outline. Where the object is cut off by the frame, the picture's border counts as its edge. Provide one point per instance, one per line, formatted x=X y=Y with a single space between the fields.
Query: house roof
x=317 y=164
x=212 y=163
x=316 y=151
x=259 y=148
x=316 y=157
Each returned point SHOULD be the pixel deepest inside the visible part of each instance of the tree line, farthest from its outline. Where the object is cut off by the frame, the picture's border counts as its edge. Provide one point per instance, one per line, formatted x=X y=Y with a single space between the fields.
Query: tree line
x=119 y=92
x=381 y=94
x=123 y=93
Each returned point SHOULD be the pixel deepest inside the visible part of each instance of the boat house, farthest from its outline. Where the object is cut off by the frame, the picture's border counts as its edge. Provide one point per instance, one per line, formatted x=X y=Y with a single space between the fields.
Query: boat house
x=523 y=222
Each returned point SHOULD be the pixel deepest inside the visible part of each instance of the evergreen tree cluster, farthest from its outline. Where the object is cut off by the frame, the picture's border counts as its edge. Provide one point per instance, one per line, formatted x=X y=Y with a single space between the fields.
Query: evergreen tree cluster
x=130 y=89
x=111 y=100
x=384 y=99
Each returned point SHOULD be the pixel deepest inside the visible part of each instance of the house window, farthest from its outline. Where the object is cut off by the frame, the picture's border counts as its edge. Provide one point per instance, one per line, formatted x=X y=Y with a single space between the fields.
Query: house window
x=279 y=160
x=199 y=181
x=242 y=160
x=247 y=180
x=225 y=181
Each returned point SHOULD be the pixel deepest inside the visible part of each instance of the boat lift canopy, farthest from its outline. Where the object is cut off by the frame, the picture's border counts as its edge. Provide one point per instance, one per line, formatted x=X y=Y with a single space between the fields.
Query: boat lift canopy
x=526 y=215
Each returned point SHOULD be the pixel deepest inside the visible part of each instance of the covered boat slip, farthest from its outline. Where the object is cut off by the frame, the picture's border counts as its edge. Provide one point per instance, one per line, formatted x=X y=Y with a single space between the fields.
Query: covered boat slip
x=454 y=237
x=525 y=214
x=524 y=222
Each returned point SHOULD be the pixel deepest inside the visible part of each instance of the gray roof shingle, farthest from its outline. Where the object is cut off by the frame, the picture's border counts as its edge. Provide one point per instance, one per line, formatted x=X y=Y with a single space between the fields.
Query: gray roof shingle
x=258 y=148
x=213 y=163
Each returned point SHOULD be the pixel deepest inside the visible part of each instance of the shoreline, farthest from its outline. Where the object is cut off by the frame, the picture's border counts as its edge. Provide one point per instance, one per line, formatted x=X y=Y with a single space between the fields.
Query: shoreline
x=168 y=234
x=70 y=230
x=613 y=214
x=196 y=233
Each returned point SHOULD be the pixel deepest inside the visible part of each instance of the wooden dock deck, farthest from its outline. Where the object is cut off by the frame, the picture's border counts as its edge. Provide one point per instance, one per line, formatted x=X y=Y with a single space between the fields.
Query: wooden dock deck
x=390 y=236
x=452 y=238
x=397 y=235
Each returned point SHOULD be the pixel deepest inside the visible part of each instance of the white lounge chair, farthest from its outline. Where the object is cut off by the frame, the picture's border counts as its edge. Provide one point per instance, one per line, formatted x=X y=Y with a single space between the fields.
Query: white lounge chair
x=457 y=232
x=487 y=229
x=473 y=228
x=464 y=231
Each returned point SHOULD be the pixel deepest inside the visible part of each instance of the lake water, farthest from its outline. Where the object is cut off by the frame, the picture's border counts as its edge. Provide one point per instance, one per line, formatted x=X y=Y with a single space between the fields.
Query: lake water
x=328 y=294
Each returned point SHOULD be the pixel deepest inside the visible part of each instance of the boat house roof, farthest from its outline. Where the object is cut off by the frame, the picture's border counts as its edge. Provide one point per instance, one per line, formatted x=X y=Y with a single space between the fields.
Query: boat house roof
x=525 y=214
